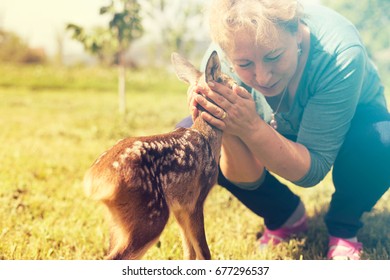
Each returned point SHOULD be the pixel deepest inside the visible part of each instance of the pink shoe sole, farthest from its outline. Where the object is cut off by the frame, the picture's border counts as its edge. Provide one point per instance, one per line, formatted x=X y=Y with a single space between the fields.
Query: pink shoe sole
x=341 y=249
x=274 y=237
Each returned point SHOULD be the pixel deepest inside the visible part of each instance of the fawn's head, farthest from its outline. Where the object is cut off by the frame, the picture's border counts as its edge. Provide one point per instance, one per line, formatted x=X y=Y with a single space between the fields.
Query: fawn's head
x=186 y=72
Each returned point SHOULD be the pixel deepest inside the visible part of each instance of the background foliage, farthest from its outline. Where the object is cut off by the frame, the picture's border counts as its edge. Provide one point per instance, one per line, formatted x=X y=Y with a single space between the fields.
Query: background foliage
x=372 y=19
x=55 y=120
x=13 y=49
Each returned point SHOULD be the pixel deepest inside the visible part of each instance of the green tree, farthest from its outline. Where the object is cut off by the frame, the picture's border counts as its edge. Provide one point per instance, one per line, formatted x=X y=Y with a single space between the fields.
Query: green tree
x=371 y=18
x=124 y=27
x=99 y=42
x=174 y=25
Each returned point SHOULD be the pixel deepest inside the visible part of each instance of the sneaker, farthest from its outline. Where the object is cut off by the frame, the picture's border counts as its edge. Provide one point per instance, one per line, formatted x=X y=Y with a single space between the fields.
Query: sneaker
x=341 y=249
x=274 y=237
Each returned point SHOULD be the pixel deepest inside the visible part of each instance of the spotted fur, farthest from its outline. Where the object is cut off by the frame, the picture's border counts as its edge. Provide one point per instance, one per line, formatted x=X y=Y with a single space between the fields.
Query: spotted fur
x=141 y=180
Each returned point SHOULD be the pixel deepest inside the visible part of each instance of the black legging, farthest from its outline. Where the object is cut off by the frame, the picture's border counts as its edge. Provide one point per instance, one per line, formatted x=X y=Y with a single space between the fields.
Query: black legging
x=272 y=200
x=361 y=172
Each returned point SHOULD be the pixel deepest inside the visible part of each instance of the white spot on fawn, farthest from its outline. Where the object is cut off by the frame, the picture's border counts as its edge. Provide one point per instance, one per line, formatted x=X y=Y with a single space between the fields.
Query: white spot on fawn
x=123 y=157
x=191 y=161
x=146 y=145
x=191 y=146
x=159 y=146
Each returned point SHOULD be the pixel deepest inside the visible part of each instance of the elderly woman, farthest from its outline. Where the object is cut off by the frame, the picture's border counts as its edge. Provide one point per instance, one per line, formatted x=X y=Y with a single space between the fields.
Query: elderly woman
x=309 y=99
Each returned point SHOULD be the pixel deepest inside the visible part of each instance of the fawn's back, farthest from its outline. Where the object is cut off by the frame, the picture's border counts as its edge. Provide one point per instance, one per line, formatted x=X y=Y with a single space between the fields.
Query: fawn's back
x=162 y=167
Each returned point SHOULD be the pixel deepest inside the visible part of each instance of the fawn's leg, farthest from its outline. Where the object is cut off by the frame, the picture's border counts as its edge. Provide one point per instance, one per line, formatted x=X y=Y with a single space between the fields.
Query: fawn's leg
x=192 y=225
x=135 y=228
x=198 y=235
x=182 y=218
x=133 y=250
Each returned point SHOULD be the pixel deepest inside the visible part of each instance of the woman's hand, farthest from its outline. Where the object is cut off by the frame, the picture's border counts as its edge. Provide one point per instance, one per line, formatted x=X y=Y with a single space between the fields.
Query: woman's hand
x=234 y=110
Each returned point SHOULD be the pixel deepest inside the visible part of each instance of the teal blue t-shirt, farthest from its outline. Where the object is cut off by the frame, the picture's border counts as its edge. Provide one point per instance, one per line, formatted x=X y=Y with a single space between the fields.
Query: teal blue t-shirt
x=338 y=77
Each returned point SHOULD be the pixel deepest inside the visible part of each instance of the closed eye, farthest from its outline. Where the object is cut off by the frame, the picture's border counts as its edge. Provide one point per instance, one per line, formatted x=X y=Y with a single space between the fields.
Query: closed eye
x=274 y=58
x=245 y=65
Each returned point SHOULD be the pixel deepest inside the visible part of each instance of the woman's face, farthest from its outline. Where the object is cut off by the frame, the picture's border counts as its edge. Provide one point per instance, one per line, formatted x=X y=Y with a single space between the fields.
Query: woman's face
x=266 y=69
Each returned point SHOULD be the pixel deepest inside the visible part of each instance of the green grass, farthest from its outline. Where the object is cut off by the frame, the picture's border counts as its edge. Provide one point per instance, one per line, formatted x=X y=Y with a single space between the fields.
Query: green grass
x=55 y=122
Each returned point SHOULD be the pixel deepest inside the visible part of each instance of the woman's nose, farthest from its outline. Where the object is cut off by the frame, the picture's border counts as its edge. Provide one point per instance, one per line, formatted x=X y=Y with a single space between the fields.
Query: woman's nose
x=263 y=75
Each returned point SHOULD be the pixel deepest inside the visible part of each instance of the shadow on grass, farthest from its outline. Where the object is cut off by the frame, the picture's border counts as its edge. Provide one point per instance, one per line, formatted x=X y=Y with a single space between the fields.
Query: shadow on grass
x=375 y=236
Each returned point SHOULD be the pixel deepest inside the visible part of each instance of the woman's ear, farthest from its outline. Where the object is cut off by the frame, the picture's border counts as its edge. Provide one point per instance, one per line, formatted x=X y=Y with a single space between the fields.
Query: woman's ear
x=299 y=34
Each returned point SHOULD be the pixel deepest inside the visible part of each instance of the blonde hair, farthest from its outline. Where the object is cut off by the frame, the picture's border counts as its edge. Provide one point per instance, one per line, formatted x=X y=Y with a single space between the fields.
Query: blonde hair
x=261 y=19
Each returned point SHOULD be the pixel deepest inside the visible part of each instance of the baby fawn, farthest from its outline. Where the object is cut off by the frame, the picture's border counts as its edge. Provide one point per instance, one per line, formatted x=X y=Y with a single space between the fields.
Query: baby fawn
x=142 y=179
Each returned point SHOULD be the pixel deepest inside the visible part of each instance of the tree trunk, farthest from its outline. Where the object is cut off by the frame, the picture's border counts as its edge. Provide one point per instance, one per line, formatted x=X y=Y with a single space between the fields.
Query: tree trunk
x=122 y=83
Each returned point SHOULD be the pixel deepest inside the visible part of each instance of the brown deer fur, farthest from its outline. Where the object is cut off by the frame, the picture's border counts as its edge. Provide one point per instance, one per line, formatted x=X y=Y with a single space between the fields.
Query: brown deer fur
x=142 y=179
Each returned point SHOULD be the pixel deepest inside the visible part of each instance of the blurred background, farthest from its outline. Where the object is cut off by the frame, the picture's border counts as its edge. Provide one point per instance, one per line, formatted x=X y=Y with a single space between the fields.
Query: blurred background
x=76 y=76
x=35 y=31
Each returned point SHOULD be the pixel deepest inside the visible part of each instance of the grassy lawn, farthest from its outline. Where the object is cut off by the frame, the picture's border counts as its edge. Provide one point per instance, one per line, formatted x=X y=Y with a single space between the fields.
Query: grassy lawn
x=55 y=122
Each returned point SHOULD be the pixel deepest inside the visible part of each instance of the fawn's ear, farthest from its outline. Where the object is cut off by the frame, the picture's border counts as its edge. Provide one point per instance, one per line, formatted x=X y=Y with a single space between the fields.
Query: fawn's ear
x=213 y=68
x=185 y=71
